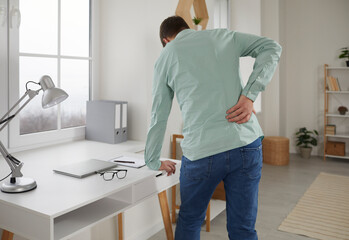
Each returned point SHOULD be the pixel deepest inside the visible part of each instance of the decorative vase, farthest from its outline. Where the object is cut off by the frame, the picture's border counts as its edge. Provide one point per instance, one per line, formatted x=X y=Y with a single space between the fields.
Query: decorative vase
x=306 y=152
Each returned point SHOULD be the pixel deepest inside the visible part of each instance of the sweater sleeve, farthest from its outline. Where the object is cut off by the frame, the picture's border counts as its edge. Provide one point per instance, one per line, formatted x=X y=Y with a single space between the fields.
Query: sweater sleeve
x=267 y=54
x=161 y=107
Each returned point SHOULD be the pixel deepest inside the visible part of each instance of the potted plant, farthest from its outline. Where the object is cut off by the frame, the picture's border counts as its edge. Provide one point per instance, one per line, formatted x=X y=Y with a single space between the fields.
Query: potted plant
x=342 y=110
x=197 y=21
x=305 y=139
x=345 y=54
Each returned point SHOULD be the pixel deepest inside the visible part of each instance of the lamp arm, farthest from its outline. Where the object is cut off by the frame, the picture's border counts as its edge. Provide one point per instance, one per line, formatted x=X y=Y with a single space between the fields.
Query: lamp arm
x=14 y=163
x=31 y=94
x=9 y=111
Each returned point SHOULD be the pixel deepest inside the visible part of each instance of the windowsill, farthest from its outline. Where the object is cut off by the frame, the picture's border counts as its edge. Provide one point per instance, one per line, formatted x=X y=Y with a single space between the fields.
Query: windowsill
x=43 y=143
x=82 y=145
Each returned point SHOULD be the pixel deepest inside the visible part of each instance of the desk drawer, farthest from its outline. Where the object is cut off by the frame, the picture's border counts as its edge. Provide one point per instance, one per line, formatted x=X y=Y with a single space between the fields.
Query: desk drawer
x=144 y=189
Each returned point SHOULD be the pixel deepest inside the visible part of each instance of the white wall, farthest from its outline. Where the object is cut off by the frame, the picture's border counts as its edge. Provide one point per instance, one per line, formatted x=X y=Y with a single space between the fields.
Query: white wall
x=313 y=31
x=261 y=18
x=271 y=96
x=245 y=16
x=129 y=47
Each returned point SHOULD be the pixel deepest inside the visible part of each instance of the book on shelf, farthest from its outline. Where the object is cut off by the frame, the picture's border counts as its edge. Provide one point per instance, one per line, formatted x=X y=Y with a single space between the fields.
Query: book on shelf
x=330 y=129
x=330 y=84
x=333 y=84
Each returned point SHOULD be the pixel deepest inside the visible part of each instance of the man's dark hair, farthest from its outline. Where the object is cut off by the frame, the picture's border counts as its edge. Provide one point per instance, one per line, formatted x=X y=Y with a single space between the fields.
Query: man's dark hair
x=171 y=26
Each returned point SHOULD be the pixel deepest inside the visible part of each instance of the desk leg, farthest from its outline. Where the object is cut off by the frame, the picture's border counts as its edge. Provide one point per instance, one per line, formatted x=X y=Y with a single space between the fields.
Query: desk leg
x=166 y=214
x=6 y=235
x=208 y=216
x=120 y=229
x=174 y=204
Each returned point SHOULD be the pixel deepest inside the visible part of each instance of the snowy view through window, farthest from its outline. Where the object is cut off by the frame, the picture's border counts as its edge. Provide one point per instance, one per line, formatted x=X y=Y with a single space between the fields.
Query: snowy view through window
x=55 y=43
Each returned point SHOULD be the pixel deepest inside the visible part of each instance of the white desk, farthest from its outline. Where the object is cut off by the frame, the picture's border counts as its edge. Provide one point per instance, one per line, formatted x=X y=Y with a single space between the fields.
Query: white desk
x=62 y=206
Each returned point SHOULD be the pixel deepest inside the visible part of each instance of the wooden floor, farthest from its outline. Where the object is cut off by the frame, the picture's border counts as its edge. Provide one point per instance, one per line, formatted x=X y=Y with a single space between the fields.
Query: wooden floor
x=280 y=189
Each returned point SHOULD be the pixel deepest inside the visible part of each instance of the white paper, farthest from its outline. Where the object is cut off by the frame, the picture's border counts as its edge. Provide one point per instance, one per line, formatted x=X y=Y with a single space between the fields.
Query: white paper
x=136 y=162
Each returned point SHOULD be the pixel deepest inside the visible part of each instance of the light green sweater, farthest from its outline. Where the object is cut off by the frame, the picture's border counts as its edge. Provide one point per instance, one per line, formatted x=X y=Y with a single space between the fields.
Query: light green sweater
x=202 y=69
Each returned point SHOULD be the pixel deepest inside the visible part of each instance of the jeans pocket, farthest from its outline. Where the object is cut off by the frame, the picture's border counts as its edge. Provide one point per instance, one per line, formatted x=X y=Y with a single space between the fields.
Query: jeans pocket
x=252 y=161
x=198 y=169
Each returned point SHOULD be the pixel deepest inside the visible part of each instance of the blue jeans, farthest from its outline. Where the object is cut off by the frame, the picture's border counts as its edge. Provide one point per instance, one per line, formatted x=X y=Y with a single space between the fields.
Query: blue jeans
x=240 y=169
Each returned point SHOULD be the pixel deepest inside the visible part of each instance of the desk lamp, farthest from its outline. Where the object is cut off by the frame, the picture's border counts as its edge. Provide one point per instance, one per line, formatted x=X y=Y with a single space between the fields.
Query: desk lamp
x=51 y=96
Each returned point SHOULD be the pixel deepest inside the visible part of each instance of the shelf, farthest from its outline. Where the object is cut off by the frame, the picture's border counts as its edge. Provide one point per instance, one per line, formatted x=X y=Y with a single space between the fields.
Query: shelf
x=337 y=68
x=73 y=222
x=337 y=92
x=217 y=206
x=334 y=156
x=337 y=115
x=200 y=9
x=337 y=136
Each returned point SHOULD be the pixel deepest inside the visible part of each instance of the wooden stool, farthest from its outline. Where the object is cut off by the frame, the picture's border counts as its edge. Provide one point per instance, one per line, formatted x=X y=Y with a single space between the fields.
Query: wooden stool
x=276 y=150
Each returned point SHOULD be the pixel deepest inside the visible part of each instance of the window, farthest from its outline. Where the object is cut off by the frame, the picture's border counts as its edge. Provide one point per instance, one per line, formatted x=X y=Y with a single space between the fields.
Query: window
x=49 y=37
x=3 y=67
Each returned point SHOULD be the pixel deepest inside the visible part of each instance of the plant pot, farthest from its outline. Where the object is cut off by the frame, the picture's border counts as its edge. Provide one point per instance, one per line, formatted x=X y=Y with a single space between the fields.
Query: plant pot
x=306 y=152
x=198 y=27
x=342 y=112
x=347 y=63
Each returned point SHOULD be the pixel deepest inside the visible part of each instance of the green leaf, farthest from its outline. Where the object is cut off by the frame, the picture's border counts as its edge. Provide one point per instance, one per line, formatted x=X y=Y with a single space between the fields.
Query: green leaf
x=196 y=20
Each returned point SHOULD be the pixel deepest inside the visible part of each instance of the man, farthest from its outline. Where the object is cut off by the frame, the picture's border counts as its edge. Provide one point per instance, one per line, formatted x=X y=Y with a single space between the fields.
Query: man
x=222 y=136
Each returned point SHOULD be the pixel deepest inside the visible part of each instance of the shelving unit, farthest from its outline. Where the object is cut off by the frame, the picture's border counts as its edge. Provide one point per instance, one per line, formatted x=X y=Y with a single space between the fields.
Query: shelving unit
x=336 y=115
x=337 y=136
x=200 y=10
x=332 y=115
x=338 y=92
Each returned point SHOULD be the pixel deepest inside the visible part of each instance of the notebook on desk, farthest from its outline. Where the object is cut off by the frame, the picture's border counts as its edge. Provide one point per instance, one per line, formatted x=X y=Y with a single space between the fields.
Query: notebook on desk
x=129 y=161
x=84 y=168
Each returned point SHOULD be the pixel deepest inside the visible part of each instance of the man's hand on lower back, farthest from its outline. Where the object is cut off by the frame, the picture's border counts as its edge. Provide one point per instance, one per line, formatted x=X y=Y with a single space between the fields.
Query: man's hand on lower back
x=168 y=166
x=242 y=111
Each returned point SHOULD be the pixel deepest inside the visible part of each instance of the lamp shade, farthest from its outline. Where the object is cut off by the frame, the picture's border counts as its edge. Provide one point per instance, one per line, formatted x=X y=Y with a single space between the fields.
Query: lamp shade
x=51 y=95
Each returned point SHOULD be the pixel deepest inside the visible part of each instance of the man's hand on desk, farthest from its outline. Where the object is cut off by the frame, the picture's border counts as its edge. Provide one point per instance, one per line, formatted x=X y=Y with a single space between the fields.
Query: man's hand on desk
x=168 y=166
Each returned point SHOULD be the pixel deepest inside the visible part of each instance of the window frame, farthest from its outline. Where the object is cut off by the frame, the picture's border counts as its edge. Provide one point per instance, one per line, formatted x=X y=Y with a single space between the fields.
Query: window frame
x=27 y=141
x=3 y=67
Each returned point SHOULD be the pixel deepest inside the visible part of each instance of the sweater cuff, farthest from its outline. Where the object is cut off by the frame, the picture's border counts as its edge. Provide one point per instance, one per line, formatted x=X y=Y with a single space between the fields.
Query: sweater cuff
x=251 y=95
x=154 y=165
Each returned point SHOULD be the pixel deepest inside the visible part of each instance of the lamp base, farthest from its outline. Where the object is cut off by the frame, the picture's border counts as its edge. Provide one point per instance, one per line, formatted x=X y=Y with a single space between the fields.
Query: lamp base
x=22 y=184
